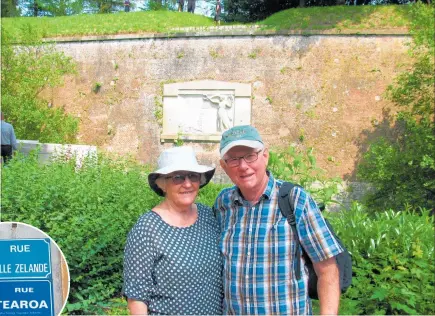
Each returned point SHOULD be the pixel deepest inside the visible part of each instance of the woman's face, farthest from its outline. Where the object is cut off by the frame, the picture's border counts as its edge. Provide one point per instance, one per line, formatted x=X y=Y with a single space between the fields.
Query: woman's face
x=182 y=187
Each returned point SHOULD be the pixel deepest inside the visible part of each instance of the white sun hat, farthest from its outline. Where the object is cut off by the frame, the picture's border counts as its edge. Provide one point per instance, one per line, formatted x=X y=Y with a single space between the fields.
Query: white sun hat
x=179 y=159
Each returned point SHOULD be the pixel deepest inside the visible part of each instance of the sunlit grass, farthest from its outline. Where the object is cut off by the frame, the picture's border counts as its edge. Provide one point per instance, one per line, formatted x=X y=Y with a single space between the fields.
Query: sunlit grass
x=346 y=19
x=106 y=24
x=340 y=18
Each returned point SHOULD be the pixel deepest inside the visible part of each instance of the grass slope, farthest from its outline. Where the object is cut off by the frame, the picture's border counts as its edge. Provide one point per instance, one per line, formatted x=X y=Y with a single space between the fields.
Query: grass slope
x=341 y=18
x=105 y=24
x=337 y=19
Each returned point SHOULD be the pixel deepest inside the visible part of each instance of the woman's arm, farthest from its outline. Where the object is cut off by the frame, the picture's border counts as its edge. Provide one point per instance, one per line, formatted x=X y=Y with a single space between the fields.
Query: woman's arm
x=137 y=307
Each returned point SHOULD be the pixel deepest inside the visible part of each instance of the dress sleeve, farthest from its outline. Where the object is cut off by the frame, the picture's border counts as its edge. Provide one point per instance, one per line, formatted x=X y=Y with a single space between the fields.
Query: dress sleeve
x=315 y=236
x=139 y=258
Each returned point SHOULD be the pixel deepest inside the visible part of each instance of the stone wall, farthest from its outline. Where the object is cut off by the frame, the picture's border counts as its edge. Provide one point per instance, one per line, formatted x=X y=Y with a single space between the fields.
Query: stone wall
x=49 y=151
x=319 y=91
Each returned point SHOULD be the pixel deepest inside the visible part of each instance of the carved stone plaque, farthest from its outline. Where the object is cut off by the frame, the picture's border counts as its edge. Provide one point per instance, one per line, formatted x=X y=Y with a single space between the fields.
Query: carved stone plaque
x=203 y=110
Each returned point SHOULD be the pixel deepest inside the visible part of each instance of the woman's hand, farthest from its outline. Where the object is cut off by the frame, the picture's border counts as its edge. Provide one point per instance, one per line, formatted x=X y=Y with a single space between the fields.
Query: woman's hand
x=137 y=307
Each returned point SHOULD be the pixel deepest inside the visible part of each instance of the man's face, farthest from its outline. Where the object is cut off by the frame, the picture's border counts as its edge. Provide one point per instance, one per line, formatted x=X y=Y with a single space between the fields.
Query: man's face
x=248 y=177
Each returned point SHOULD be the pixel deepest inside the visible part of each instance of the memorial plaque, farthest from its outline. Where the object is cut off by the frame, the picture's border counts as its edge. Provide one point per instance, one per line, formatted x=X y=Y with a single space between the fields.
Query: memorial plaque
x=25 y=259
x=203 y=110
x=26 y=297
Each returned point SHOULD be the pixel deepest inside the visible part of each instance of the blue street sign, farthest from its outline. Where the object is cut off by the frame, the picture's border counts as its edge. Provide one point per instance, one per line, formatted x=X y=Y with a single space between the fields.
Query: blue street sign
x=25 y=258
x=26 y=297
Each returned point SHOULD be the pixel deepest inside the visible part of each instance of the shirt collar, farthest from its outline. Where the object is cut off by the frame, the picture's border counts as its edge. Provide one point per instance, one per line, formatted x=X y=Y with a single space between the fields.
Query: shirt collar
x=237 y=197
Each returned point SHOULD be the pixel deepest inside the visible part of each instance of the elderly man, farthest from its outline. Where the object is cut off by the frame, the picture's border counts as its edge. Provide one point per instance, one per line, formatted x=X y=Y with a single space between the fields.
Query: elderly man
x=257 y=243
x=8 y=140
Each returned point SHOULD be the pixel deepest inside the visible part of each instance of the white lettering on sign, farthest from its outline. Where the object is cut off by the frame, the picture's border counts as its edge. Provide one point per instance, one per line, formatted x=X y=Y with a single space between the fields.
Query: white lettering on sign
x=32 y=267
x=23 y=304
x=19 y=248
x=5 y=268
x=24 y=290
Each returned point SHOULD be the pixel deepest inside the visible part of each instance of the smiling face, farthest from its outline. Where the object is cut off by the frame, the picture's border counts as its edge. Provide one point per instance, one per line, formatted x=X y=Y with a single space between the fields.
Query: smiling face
x=250 y=178
x=182 y=195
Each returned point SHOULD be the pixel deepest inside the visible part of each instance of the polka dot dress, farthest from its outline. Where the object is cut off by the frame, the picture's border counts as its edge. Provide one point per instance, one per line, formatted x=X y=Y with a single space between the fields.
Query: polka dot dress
x=175 y=271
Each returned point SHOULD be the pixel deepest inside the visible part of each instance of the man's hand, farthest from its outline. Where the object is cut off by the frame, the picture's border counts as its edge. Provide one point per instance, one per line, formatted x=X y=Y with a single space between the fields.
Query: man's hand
x=328 y=286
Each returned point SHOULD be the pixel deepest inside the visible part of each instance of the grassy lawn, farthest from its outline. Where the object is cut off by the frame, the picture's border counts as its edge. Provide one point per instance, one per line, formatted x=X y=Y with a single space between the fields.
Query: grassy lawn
x=341 y=18
x=106 y=24
x=337 y=19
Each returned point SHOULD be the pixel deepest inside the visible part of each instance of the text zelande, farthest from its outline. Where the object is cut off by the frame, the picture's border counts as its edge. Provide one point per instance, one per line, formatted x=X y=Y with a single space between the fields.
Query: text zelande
x=24 y=268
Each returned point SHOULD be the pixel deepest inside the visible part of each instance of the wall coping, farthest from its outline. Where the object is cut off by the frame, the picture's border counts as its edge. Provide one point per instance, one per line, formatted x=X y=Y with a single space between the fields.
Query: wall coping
x=230 y=31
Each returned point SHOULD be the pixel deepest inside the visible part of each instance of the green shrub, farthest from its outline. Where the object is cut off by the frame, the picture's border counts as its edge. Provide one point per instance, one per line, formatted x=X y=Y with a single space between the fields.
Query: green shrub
x=300 y=168
x=402 y=168
x=26 y=71
x=392 y=255
x=88 y=211
x=208 y=194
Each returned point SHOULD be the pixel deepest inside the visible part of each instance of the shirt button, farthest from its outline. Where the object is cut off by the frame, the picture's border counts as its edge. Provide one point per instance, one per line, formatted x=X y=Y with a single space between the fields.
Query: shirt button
x=249 y=253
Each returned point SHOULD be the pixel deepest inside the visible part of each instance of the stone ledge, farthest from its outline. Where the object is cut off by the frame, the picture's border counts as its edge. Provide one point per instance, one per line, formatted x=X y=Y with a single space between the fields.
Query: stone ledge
x=222 y=31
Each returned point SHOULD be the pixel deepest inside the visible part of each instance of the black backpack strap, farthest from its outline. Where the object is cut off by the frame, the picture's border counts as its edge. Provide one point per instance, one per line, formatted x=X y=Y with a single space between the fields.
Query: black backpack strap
x=287 y=210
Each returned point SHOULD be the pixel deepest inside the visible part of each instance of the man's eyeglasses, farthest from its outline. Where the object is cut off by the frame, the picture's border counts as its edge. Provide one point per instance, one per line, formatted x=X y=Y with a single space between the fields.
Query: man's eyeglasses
x=180 y=178
x=248 y=158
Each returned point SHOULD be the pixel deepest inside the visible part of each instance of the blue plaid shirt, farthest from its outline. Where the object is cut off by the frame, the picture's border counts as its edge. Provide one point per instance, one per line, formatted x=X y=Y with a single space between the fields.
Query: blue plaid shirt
x=259 y=248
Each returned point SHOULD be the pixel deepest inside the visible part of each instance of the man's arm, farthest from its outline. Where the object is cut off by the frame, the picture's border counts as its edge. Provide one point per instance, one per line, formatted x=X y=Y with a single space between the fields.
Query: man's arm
x=137 y=307
x=13 y=139
x=328 y=286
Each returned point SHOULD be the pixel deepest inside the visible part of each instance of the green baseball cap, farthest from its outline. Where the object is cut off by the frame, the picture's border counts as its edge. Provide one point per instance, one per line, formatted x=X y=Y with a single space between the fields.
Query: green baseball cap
x=242 y=135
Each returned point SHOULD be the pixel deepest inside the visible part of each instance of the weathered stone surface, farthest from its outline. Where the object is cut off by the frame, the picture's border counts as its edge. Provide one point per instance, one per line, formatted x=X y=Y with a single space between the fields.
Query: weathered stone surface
x=304 y=90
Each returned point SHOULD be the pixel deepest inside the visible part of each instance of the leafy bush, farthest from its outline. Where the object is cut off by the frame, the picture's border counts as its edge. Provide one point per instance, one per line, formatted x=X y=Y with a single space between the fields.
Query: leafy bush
x=87 y=211
x=27 y=70
x=392 y=255
x=300 y=168
x=402 y=169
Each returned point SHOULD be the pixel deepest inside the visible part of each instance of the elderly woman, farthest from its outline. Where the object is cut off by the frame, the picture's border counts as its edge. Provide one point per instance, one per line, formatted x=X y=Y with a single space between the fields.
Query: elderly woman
x=172 y=262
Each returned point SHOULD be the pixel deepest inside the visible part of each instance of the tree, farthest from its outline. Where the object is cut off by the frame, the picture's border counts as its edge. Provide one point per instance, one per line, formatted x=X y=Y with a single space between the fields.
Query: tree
x=9 y=8
x=51 y=7
x=402 y=169
x=155 y=5
x=105 y=6
x=27 y=70
x=254 y=10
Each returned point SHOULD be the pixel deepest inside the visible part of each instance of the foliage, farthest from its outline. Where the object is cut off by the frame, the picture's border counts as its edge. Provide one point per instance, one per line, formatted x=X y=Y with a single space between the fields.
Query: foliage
x=256 y=10
x=9 y=8
x=300 y=168
x=158 y=5
x=88 y=211
x=208 y=194
x=392 y=255
x=402 y=169
x=39 y=8
x=105 y=6
x=27 y=70
x=89 y=207
x=97 y=86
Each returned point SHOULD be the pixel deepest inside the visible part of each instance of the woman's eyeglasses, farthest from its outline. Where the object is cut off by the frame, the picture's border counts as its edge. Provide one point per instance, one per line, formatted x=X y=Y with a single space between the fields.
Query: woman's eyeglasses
x=180 y=178
x=248 y=158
